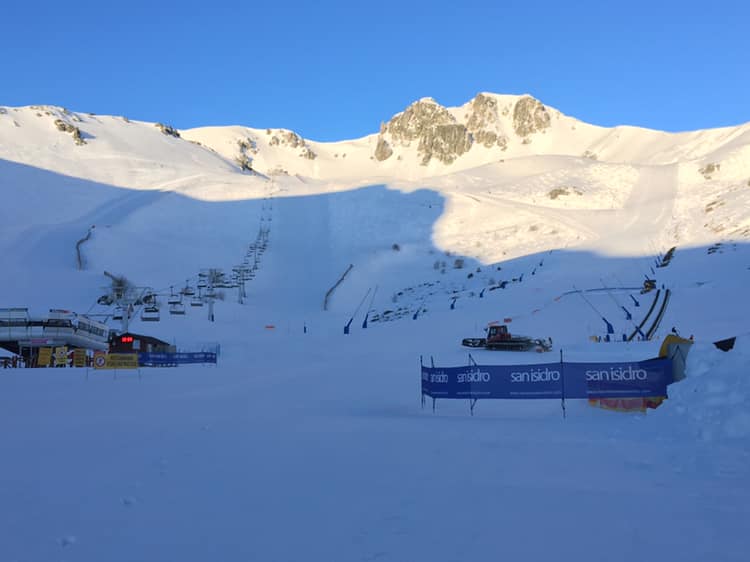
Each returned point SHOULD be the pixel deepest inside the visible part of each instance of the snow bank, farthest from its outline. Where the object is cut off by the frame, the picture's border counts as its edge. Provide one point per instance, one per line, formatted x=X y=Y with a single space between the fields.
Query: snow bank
x=713 y=402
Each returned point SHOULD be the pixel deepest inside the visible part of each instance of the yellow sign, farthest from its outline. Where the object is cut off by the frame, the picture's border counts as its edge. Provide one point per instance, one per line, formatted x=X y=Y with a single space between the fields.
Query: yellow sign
x=45 y=356
x=61 y=355
x=116 y=361
x=79 y=357
x=122 y=361
x=100 y=359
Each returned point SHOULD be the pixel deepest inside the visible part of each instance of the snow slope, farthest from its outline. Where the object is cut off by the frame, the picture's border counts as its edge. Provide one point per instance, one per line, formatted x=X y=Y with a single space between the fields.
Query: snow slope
x=306 y=444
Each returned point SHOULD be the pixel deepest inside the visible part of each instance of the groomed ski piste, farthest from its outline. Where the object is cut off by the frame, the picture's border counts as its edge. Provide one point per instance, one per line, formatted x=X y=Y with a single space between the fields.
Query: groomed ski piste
x=304 y=443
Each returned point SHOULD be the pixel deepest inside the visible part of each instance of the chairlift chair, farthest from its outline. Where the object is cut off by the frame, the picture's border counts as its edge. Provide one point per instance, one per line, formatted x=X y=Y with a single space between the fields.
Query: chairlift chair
x=174 y=299
x=150 y=314
x=118 y=313
x=177 y=308
x=196 y=301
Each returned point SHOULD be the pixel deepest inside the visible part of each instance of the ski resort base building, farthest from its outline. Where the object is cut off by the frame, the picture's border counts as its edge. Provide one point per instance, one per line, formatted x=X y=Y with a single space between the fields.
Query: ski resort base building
x=60 y=330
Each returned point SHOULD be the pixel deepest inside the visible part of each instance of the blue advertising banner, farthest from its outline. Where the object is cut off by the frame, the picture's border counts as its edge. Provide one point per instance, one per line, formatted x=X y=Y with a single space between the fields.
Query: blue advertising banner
x=168 y=359
x=550 y=380
x=618 y=380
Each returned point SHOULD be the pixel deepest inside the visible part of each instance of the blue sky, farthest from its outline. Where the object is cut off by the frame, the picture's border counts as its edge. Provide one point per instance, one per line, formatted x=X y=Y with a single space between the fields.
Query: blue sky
x=332 y=70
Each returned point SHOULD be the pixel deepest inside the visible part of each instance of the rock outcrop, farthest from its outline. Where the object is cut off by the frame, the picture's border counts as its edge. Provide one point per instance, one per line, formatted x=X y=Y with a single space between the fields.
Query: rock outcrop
x=291 y=139
x=413 y=123
x=168 y=130
x=482 y=119
x=441 y=136
x=530 y=116
x=68 y=128
x=383 y=150
x=436 y=131
x=444 y=142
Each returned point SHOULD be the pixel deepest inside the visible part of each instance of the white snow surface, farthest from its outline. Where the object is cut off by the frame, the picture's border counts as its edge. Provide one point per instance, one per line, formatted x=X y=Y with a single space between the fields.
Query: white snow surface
x=307 y=444
x=720 y=379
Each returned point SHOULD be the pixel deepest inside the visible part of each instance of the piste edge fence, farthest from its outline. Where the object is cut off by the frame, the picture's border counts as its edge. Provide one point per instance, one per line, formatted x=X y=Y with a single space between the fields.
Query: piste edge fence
x=175 y=359
x=561 y=380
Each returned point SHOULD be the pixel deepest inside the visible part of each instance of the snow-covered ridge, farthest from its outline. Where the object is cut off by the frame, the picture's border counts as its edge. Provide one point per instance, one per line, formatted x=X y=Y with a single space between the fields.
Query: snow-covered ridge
x=517 y=176
x=424 y=140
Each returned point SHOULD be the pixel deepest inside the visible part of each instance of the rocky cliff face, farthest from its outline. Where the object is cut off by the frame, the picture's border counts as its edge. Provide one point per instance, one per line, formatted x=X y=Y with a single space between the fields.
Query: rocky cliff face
x=441 y=136
x=383 y=150
x=530 y=116
x=417 y=120
x=444 y=142
x=482 y=122
x=428 y=123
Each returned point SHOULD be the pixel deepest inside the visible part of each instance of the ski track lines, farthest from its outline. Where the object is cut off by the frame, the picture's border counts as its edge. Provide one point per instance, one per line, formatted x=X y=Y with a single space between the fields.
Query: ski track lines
x=563 y=217
x=655 y=190
x=650 y=204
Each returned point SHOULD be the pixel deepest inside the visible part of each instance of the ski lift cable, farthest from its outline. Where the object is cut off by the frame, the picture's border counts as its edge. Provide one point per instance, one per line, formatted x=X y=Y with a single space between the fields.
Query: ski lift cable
x=630 y=319
x=608 y=290
x=362 y=302
x=580 y=293
x=372 y=300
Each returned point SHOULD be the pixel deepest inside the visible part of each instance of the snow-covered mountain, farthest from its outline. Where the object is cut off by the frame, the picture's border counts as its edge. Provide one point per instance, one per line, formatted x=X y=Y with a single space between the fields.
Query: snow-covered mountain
x=501 y=177
x=445 y=219
x=493 y=155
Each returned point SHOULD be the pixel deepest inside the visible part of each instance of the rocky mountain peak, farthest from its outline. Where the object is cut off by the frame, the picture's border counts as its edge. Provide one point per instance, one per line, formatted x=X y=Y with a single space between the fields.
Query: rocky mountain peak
x=440 y=135
x=416 y=119
x=436 y=131
x=530 y=116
